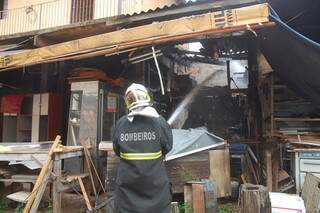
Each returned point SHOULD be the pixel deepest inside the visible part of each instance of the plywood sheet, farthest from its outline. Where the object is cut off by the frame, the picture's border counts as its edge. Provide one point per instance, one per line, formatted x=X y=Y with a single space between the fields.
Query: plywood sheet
x=189 y=168
x=220 y=171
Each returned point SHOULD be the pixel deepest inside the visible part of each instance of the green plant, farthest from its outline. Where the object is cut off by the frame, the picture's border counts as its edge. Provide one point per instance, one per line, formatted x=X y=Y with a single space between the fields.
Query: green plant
x=227 y=208
x=49 y=208
x=82 y=210
x=19 y=209
x=4 y=205
x=185 y=208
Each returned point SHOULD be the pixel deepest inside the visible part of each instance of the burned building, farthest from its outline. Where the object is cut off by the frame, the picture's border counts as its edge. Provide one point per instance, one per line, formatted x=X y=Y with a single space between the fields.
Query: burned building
x=66 y=75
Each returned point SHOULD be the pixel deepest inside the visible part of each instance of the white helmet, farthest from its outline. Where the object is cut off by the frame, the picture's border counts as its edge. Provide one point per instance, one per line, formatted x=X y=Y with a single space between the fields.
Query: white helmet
x=137 y=95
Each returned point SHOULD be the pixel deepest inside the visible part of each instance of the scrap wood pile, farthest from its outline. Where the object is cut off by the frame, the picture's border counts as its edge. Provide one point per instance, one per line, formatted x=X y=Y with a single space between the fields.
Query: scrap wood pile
x=296 y=119
x=47 y=175
x=301 y=141
x=244 y=164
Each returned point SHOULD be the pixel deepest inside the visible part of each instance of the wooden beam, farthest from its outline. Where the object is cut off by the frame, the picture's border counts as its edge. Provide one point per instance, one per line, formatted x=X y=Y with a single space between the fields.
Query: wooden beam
x=56 y=195
x=214 y=23
x=84 y=193
x=298 y=119
x=41 y=190
x=42 y=41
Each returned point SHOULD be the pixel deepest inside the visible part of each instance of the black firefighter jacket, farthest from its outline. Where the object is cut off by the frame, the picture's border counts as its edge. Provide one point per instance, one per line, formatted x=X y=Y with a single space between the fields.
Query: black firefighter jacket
x=142 y=182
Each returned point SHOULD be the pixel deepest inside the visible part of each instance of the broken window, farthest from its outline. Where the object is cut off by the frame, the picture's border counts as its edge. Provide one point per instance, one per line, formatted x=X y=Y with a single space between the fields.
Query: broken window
x=239 y=74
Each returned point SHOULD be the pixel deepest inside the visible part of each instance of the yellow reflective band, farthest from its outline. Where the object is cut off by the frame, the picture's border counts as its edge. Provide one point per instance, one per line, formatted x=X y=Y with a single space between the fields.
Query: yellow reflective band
x=141 y=156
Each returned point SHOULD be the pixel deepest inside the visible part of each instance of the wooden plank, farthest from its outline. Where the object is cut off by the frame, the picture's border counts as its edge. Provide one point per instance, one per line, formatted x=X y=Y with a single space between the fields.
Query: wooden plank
x=283 y=175
x=298 y=119
x=56 y=195
x=94 y=168
x=85 y=195
x=198 y=203
x=271 y=104
x=21 y=197
x=268 y=158
x=188 y=168
x=263 y=65
x=66 y=155
x=152 y=34
x=88 y=167
x=12 y=180
x=251 y=170
x=43 y=172
x=220 y=171
x=31 y=178
x=41 y=190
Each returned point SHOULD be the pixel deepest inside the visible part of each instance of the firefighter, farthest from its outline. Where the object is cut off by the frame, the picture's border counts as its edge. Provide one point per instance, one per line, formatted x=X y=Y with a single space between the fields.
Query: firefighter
x=142 y=139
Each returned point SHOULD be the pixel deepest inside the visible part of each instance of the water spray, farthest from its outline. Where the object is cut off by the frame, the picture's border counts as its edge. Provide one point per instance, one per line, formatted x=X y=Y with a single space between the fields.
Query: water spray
x=187 y=101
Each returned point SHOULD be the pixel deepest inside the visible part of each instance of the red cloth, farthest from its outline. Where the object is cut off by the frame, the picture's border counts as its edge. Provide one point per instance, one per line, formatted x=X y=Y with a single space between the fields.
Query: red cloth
x=11 y=103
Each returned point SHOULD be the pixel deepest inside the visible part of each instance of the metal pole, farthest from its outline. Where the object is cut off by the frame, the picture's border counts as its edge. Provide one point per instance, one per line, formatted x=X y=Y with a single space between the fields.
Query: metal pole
x=159 y=72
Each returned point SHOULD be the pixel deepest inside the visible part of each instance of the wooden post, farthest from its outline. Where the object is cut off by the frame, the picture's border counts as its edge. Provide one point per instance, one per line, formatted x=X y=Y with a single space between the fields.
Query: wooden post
x=56 y=195
x=198 y=205
x=268 y=158
x=220 y=171
x=194 y=199
x=253 y=199
x=271 y=104
x=43 y=172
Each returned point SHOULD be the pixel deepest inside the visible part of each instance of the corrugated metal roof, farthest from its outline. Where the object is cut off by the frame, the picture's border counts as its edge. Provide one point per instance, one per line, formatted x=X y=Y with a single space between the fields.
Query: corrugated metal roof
x=165 y=7
x=198 y=2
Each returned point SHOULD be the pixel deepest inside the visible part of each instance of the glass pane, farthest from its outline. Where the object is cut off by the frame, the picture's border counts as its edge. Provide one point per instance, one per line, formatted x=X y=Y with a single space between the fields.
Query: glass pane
x=239 y=74
x=74 y=118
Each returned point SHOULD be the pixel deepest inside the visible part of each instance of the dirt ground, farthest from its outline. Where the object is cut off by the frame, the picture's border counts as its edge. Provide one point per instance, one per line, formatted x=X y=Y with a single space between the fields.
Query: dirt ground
x=74 y=203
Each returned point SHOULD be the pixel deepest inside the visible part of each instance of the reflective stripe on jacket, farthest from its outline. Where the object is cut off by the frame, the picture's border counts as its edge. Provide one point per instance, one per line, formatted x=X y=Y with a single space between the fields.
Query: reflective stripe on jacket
x=141 y=156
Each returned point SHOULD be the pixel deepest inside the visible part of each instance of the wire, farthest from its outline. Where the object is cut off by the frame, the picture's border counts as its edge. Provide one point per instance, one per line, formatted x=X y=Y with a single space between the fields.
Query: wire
x=17 y=45
x=296 y=16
